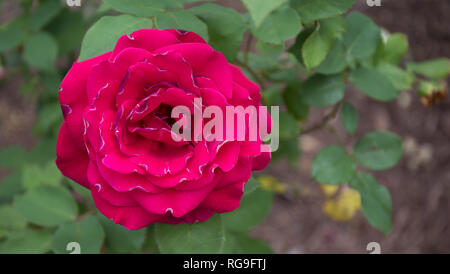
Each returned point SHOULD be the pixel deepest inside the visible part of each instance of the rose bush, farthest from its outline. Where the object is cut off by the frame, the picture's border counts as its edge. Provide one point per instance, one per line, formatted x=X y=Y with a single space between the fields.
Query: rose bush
x=116 y=138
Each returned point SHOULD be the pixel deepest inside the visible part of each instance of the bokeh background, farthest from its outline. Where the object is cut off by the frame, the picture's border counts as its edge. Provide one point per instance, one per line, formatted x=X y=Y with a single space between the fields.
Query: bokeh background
x=419 y=185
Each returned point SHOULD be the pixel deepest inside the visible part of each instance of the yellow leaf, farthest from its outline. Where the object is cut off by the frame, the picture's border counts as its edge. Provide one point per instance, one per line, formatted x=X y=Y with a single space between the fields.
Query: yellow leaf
x=329 y=190
x=272 y=184
x=344 y=206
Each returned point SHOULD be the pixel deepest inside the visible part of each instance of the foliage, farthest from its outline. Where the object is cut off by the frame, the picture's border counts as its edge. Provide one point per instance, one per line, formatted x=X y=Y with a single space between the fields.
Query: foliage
x=40 y=211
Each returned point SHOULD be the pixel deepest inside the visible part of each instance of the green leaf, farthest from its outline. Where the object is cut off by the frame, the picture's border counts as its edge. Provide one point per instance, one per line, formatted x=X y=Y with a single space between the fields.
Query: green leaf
x=289 y=127
x=322 y=90
x=10 y=185
x=40 y=51
x=395 y=48
x=182 y=20
x=144 y=8
x=281 y=25
x=296 y=49
x=27 y=242
x=400 y=79
x=272 y=96
x=12 y=34
x=260 y=9
x=224 y=39
x=11 y=219
x=435 y=69
x=375 y=201
x=81 y=190
x=316 y=48
x=204 y=237
x=44 y=150
x=47 y=205
x=335 y=61
x=241 y=243
x=255 y=205
x=349 y=118
x=333 y=166
x=362 y=36
x=374 y=84
x=378 y=150
x=88 y=233
x=46 y=11
x=121 y=240
x=294 y=103
x=311 y=10
x=12 y=157
x=319 y=43
x=103 y=35
x=34 y=175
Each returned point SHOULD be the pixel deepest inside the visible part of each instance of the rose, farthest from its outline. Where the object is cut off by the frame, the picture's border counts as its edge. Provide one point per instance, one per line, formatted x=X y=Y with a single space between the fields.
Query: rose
x=116 y=138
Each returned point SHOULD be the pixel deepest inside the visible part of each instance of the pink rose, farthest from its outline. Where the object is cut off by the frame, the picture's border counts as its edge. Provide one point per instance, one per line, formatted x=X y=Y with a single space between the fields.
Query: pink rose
x=116 y=138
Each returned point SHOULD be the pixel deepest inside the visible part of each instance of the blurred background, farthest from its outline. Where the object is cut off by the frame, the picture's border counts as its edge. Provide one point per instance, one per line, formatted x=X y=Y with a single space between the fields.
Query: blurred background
x=419 y=185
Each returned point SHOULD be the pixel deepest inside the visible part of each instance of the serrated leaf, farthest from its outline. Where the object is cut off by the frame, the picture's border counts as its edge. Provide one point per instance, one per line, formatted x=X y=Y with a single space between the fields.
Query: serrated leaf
x=335 y=61
x=224 y=39
x=376 y=201
x=103 y=35
x=47 y=205
x=281 y=25
x=322 y=90
x=204 y=237
x=144 y=8
x=362 y=36
x=400 y=79
x=316 y=48
x=349 y=118
x=333 y=166
x=311 y=10
x=374 y=84
x=319 y=43
x=260 y=9
x=378 y=150
x=435 y=69
x=253 y=210
x=183 y=20
x=296 y=49
x=121 y=240
x=88 y=233
x=395 y=48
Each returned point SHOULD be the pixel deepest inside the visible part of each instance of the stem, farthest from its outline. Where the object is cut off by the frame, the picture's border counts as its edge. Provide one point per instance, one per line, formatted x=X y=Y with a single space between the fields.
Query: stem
x=333 y=131
x=325 y=120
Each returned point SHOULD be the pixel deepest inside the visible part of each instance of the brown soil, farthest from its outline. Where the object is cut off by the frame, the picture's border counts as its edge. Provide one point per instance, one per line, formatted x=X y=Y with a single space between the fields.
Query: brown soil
x=420 y=189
